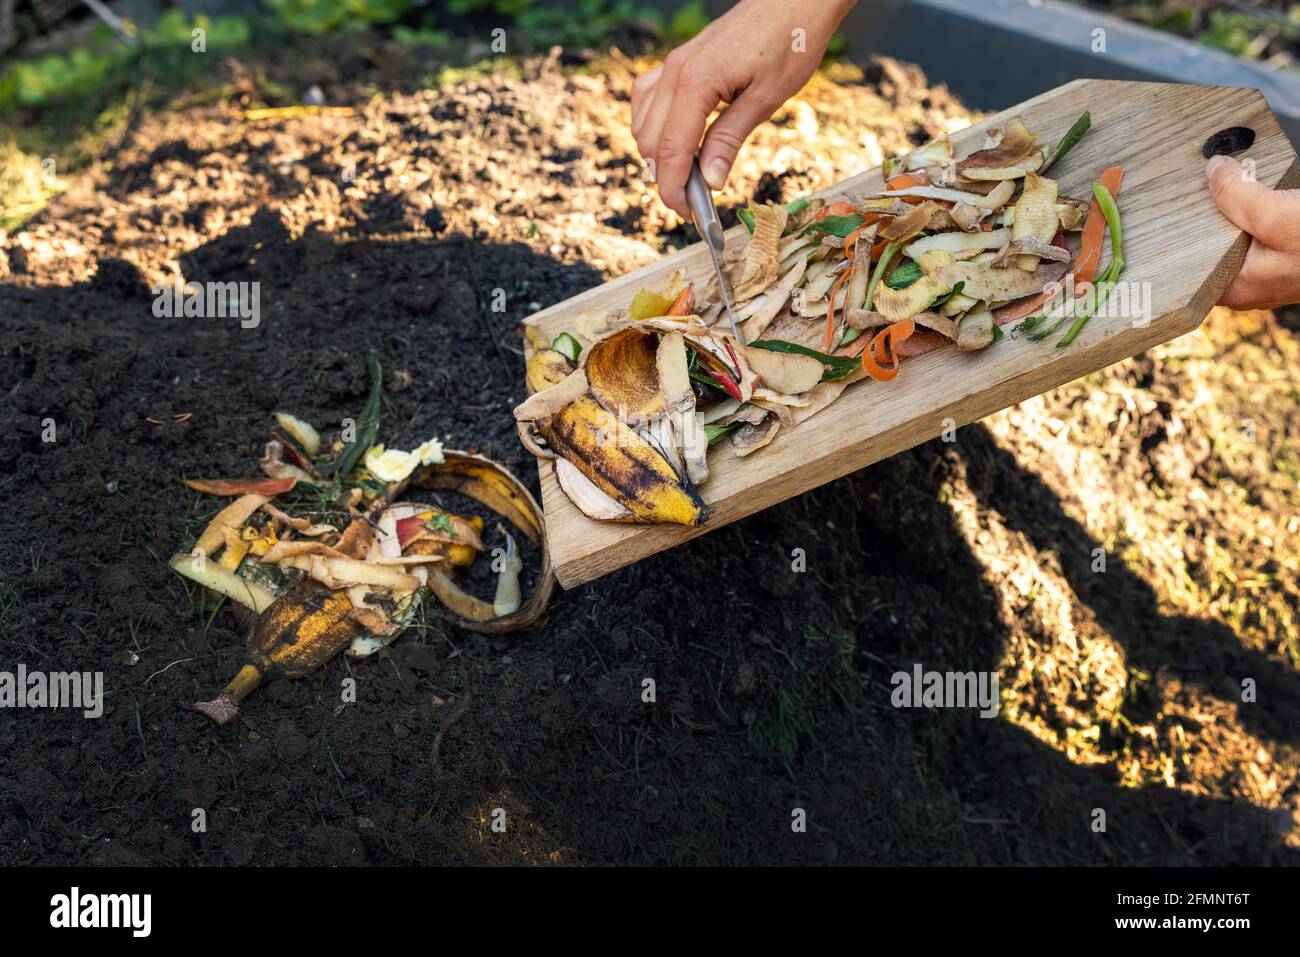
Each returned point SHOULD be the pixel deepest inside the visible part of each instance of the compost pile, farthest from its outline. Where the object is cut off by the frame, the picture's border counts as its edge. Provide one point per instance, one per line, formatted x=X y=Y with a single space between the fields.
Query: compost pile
x=328 y=555
x=395 y=227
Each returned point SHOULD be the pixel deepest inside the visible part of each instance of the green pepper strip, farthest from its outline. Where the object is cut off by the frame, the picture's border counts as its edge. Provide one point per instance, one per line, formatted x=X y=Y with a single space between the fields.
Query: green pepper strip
x=1071 y=137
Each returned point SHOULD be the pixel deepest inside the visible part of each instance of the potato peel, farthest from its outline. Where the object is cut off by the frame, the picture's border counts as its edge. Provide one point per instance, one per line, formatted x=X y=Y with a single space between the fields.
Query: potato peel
x=762 y=261
x=748 y=439
x=1035 y=216
x=987 y=282
x=899 y=304
x=1015 y=143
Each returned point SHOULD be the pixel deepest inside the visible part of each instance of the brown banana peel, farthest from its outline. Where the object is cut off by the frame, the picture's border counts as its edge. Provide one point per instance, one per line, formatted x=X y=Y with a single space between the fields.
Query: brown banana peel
x=545 y=368
x=491 y=485
x=302 y=629
x=623 y=375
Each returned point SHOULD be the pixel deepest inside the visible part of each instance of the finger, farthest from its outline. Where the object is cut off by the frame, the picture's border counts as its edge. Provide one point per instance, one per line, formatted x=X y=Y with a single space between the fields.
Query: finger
x=643 y=90
x=1252 y=206
x=657 y=111
x=727 y=134
x=681 y=138
x=1268 y=279
x=644 y=146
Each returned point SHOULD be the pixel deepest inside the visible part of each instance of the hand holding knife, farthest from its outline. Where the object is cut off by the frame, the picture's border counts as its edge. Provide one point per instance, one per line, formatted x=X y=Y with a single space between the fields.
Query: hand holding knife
x=709 y=226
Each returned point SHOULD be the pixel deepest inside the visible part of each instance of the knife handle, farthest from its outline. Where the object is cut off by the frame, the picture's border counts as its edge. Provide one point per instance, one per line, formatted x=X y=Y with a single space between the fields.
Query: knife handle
x=703 y=210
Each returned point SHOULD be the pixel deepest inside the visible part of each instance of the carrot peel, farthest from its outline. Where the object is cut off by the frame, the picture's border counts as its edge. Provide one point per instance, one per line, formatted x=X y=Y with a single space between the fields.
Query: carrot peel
x=1094 y=228
x=830 y=308
x=883 y=345
x=684 y=304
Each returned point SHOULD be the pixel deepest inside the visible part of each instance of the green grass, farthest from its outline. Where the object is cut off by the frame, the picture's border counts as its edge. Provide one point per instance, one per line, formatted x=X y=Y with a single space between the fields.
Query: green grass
x=26 y=185
x=8 y=600
x=822 y=681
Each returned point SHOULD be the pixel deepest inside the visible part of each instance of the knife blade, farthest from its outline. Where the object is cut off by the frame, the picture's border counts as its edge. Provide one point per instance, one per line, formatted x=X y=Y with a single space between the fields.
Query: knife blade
x=709 y=226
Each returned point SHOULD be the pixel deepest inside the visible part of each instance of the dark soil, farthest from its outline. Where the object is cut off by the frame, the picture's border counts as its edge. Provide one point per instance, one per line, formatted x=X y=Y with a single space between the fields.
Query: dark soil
x=1120 y=691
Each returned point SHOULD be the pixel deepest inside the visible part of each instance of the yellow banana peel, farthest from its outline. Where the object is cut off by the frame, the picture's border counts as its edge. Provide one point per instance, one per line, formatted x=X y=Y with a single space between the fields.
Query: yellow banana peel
x=622 y=464
x=545 y=368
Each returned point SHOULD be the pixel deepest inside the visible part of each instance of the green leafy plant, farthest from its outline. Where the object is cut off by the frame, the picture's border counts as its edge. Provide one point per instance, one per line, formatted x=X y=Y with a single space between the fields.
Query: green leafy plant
x=105 y=65
x=688 y=21
x=318 y=17
x=508 y=8
x=367 y=424
x=441 y=522
x=424 y=37
x=590 y=25
x=313 y=17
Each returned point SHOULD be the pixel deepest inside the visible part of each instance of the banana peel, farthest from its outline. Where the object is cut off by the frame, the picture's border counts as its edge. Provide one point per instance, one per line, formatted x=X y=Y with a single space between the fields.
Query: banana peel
x=492 y=485
x=301 y=630
x=197 y=568
x=622 y=464
x=545 y=368
x=623 y=375
x=625 y=420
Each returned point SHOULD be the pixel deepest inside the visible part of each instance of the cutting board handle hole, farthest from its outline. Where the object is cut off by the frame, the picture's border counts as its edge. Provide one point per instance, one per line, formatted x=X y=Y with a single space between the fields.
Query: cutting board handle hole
x=1235 y=139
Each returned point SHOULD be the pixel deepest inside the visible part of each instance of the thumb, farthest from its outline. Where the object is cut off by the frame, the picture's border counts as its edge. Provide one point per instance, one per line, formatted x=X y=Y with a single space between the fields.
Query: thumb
x=1250 y=205
x=728 y=133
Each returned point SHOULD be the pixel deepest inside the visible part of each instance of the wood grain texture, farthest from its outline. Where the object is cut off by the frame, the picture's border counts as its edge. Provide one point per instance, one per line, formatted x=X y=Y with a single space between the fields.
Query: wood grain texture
x=1179 y=249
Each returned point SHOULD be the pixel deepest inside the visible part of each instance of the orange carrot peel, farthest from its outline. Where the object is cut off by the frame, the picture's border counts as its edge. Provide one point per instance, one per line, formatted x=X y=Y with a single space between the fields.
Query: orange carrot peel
x=1094 y=229
x=684 y=304
x=830 y=308
x=882 y=347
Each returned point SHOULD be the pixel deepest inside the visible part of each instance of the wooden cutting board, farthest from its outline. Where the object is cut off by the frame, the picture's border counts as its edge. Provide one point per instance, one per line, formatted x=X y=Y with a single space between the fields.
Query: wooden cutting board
x=1176 y=244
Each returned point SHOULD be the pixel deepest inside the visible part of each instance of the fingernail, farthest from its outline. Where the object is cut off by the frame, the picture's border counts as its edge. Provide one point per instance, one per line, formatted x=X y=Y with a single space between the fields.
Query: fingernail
x=1213 y=165
x=715 y=172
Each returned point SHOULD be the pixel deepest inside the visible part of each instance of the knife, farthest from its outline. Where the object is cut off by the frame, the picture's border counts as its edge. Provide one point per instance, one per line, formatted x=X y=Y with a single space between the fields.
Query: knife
x=709 y=226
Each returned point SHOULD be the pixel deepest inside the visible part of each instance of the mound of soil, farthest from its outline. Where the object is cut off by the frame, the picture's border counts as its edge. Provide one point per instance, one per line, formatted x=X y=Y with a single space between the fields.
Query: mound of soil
x=395 y=227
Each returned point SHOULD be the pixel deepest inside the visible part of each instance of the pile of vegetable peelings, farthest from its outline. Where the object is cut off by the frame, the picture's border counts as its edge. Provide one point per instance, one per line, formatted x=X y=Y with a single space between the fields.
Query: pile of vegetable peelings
x=626 y=404
x=329 y=556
